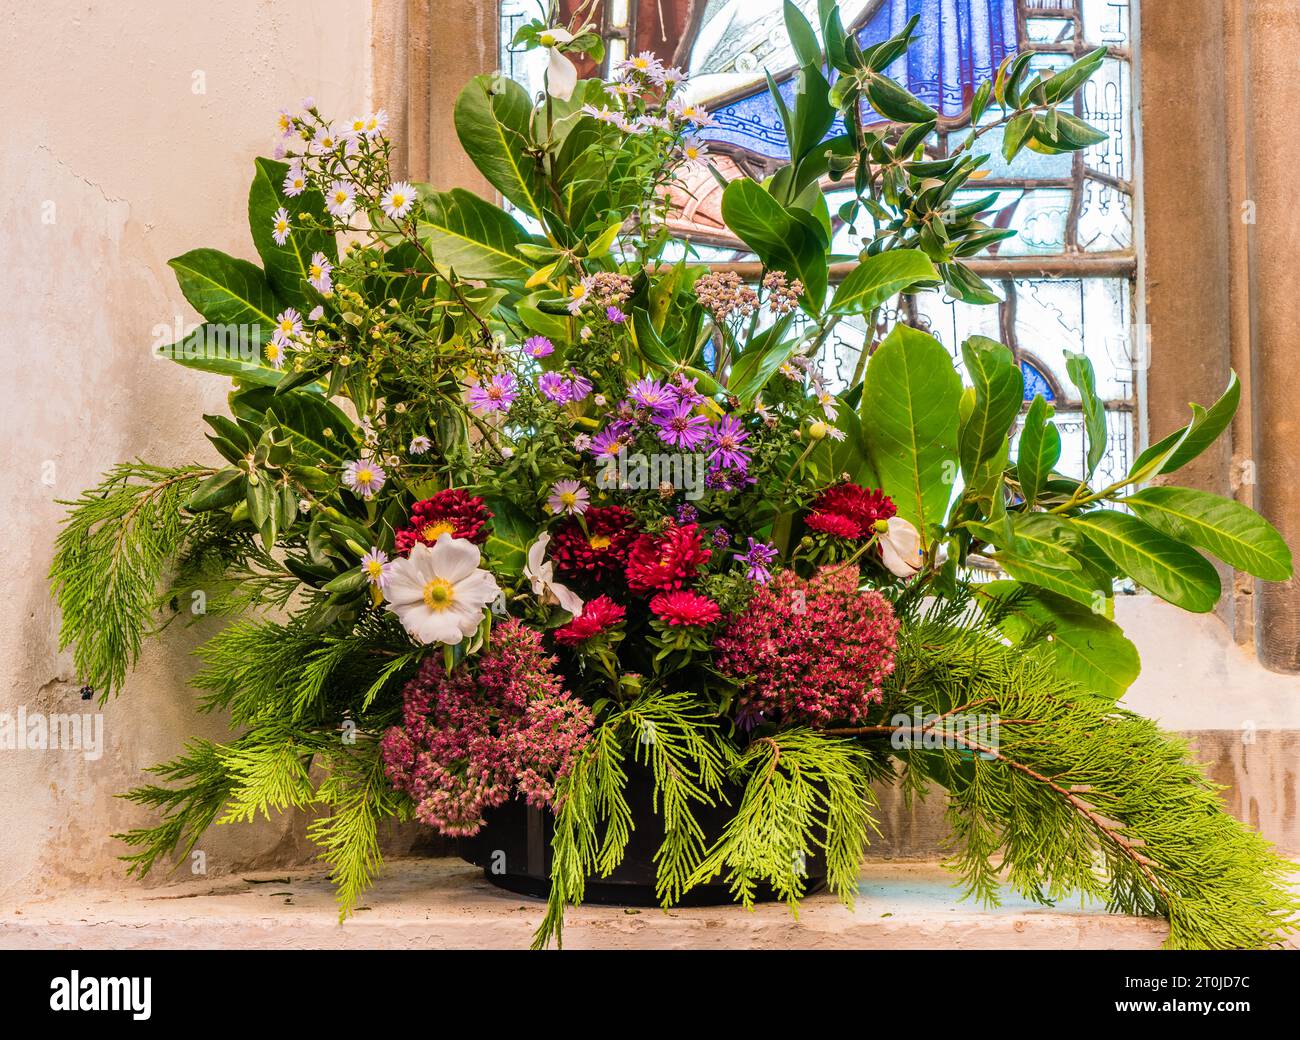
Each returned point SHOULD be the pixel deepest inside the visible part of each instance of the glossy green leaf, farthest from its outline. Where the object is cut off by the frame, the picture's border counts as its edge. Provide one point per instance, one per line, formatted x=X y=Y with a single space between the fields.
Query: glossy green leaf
x=1234 y=533
x=1172 y=570
x=473 y=237
x=881 y=277
x=909 y=409
x=1039 y=449
x=1079 y=369
x=229 y=350
x=1180 y=447
x=493 y=116
x=305 y=417
x=223 y=488
x=785 y=239
x=802 y=37
x=227 y=291
x=286 y=265
x=1086 y=646
x=999 y=389
x=512 y=533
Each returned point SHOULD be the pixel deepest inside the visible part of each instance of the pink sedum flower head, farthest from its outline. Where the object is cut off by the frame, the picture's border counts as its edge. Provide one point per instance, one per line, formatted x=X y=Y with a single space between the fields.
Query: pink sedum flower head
x=364 y=477
x=439 y=592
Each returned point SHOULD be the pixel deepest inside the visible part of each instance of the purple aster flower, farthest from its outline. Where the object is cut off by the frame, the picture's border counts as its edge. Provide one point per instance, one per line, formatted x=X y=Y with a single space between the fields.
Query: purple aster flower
x=496 y=395
x=579 y=387
x=606 y=444
x=758 y=558
x=568 y=497
x=615 y=315
x=726 y=440
x=680 y=427
x=554 y=387
x=538 y=346
x=650 y=393
x=363 y=477
x=727 y=479
x=684 y=389
x=721 y=538
x=687 y=513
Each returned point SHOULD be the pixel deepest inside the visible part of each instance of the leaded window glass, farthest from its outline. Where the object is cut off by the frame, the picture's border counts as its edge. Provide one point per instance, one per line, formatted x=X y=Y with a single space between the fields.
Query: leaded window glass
x=1067 y=280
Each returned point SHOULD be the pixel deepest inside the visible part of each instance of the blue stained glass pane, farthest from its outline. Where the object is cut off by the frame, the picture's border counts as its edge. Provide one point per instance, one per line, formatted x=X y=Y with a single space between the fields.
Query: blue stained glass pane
x=959 y=44
x=1036 y=383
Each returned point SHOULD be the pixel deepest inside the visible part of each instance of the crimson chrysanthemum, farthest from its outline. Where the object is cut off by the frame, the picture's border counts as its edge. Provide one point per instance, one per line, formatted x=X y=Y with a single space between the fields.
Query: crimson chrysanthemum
x=598 y=552
x=684 y=608
x=473 y=739
x=450 y=512
x=666 y=561
x=856 y=508
x=598 y=616
x=811 y=650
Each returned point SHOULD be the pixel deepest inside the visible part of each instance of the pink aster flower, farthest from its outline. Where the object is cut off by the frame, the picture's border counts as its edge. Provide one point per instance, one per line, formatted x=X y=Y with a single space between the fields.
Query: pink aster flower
x=538 y=346
x=568 y=498
x=680 y=427
x=652 y=394
x=364 y=477
x=496 y=395
x=726 y=443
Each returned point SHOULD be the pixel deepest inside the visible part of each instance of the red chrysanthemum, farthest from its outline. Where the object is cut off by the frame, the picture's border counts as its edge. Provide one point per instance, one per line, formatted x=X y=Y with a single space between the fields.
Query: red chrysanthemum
x=598 y=552
x=684 y=608
x=450 y=512
x=835 y=524
x=598 y=615
x=666 y=561
x=856 y=505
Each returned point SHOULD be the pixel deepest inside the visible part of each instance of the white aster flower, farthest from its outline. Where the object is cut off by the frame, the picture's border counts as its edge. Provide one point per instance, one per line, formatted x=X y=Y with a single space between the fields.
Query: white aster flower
x=356 y=127
x=316 y=313
x=377 y=123
x=318 y=273
x=364 y=477
x=295 y=182
x=275 y=352
x=325 y=140
x=561 y=73
x=398 y=200
x=375 y=566
x=288 y=326
x=280 y=226
x=900 y=548
x=439 y=592
x=341 y=199
x=541 y=573
x=420 y=445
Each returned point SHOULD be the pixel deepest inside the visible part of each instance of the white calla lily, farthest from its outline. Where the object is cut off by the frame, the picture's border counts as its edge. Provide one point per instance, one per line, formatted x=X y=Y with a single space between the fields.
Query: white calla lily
x=900 y=548
x=439 y=592
x=541 y=573
x=561 y=73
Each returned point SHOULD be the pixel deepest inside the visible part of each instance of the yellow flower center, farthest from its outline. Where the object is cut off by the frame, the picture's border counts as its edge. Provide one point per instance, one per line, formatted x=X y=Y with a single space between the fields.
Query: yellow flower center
x=365 y=476
x=438 y=594
x=436 y=530
x=399 y=200
x=578 y=291
x=358 y=124
x=692 y=152
x=547 y=39
x=640 y=63
x=374 y=568
x=568 y=499
x=599 y=541
x=286 y=326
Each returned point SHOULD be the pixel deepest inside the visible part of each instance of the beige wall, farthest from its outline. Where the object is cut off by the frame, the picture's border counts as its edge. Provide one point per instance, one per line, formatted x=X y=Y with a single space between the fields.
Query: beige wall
x=101 y=120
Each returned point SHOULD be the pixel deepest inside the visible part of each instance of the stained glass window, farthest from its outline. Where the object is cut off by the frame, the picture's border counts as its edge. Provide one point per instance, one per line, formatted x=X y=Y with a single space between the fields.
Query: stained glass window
x=1067 y=279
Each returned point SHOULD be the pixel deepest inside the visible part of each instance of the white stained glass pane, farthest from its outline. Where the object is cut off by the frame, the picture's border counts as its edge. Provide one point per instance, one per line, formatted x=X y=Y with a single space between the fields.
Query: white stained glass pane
x=1049 y=30
x=1107 y=99
x=1105 y=218
x=1038 y=216
x=1107 y=22
x=524 y=67
x=1091 y=316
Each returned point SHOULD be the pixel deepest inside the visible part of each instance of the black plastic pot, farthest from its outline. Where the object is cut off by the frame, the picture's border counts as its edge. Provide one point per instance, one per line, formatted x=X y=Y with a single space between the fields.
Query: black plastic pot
x=514 y=850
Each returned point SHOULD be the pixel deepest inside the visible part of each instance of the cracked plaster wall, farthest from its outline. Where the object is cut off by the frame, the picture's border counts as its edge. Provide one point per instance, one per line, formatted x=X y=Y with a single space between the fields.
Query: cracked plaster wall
x=112 y=162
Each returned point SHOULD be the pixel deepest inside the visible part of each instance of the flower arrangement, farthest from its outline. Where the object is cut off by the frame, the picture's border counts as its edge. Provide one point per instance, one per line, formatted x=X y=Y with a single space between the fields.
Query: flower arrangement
x=516 y=500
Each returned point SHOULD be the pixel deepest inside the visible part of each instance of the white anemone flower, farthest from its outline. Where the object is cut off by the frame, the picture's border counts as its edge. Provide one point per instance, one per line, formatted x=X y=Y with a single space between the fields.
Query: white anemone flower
x=439 y=592
x=561 y=73
x=900 y=548
x=541 y=572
